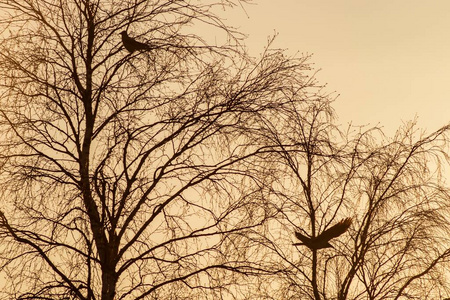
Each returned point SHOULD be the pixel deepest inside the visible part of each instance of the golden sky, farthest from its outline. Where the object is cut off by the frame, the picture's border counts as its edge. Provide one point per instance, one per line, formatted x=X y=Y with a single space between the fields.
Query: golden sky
x=388 y=59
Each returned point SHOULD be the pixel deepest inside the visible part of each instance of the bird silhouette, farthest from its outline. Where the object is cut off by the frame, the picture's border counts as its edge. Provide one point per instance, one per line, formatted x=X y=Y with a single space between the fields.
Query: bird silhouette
x=322 y=240
x=131 y=44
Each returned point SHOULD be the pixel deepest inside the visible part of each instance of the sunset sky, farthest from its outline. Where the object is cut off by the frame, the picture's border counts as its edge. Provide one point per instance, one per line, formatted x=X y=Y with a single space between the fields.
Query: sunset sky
x=389 y=60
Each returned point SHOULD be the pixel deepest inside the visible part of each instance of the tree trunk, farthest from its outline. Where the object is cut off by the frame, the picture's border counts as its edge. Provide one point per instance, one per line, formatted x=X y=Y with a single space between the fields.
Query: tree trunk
x=314 y=275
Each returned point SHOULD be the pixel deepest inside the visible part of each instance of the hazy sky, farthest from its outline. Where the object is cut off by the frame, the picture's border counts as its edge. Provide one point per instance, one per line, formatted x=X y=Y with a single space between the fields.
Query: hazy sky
x=389 y=60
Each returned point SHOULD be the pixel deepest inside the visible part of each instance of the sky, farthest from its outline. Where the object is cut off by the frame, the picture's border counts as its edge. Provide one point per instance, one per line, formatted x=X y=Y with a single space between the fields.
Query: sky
x=389 y=60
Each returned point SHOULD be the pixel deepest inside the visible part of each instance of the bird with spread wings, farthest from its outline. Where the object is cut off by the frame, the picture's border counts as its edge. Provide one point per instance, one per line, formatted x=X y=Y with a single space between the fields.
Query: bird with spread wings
x=322 y=240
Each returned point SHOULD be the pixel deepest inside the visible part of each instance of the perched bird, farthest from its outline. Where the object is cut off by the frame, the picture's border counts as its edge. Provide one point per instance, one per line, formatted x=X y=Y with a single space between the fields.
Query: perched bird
x=131 y=44
x=322 y=240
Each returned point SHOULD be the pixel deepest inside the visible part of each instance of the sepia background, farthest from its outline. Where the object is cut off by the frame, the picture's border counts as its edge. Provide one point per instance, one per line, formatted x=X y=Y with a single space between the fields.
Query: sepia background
x=142 y=163
x=388 y=60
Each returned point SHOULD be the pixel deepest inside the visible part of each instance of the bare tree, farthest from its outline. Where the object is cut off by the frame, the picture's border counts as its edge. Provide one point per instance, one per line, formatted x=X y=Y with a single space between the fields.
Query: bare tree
x=175 y=168
x=400 y=246
x=131 y=175
x=397 y=246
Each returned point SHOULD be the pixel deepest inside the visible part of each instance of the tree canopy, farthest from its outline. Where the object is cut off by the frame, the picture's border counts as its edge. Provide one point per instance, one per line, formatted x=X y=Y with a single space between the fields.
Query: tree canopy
x=181 y=170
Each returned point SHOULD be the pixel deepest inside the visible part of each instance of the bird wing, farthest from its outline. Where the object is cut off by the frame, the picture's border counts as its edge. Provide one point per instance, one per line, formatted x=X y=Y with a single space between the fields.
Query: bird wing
x=335 y=230
x=302 y=237
x=139 y=45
